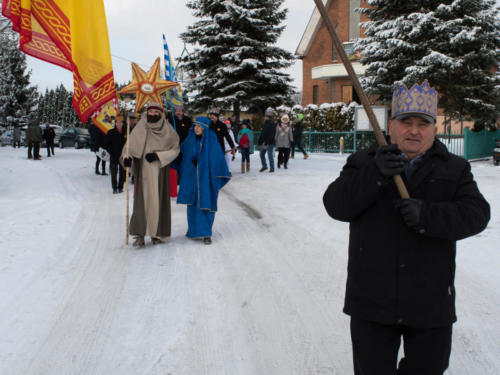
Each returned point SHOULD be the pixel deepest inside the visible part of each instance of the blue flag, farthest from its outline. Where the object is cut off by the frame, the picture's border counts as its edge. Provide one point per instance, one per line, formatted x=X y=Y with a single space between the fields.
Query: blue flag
x=176 y=93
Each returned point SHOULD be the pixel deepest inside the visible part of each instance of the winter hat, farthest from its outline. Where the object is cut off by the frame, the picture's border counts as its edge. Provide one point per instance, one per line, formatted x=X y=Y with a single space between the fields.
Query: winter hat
x=285 y=118
x=154 y=105
x=214 y=111
x=178 y=107
x=269 y=112
x=202 y=121
x=132 y=115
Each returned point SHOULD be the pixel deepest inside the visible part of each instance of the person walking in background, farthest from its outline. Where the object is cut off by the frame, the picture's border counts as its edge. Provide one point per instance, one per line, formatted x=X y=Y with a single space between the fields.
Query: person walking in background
x=49 y=134
x=29 y=142
x=153 y=145
x=228 y=150
x=267 y=140
x=401 y=265
x=36 y=139
x=220 y=130
x=97 y=141
x=115 y=140
x=298 y=128
x=245 y=143
x=16 y=136
x=284 y=139
x=182 y=125
x=204 y=173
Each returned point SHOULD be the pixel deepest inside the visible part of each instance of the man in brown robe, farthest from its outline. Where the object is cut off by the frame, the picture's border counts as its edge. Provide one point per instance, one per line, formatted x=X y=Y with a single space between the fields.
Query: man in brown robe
x=152 y=146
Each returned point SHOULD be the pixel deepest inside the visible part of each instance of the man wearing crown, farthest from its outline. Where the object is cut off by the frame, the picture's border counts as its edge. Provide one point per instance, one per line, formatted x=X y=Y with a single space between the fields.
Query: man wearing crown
x=401 y=266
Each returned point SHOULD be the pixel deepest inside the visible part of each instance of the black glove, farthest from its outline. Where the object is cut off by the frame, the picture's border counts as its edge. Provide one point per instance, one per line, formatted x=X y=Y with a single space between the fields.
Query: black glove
x=151 y=157
x=195 y=162
x=411 y=209
x=389 y=160
x=127 y=162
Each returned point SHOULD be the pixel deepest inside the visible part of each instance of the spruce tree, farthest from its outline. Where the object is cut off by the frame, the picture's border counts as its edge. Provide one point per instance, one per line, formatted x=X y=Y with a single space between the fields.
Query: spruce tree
x=17 y=97
x=455 y=44
x=235 y=62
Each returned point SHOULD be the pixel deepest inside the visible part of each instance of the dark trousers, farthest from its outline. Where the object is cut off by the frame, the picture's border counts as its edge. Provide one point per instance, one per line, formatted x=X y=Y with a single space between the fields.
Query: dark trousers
x=117 y=169
x=298 y=144
x=283 y=155
x=50 y=147
x=16 y=143
x=375 y=349
x=30 y=148
x=36 y=150
x=245 y=155
x=103 y=165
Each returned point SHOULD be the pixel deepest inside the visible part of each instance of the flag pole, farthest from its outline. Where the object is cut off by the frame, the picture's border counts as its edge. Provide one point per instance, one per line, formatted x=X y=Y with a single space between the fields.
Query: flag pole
x=127 y=183
x=359 y=90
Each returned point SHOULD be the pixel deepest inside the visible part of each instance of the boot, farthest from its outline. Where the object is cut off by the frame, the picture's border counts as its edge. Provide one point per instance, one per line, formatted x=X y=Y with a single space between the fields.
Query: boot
x=156 y=240
x=242 y=167
x=292 y=157
x=248 y=167
x=305 y=156
x=139 y=241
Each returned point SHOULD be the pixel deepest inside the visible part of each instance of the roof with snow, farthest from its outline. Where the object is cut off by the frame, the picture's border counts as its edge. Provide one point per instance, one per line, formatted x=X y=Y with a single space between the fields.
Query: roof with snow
x=311 y=30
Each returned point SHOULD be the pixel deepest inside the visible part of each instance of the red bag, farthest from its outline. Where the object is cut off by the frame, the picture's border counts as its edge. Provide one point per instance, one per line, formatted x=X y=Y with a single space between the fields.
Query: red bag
x=244 y=141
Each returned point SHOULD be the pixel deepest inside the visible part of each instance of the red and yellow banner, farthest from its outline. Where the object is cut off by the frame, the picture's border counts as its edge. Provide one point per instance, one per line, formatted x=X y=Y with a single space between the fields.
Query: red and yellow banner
x=72 y=34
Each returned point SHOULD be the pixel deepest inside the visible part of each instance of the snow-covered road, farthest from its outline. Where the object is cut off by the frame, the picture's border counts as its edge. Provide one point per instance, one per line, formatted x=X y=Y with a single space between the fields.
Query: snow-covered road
x=265 y=298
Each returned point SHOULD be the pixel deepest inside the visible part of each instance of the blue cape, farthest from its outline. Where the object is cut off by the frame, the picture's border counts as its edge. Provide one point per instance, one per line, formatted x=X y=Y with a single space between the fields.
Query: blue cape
x=200 y=184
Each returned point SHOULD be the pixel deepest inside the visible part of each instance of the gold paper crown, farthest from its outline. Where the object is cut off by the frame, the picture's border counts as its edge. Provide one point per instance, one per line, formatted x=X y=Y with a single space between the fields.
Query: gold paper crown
x=418 y=100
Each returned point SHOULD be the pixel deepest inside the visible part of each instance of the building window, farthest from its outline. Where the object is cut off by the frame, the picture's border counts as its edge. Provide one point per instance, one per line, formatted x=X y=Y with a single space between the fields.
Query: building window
x=315 y=94
x=348 y=48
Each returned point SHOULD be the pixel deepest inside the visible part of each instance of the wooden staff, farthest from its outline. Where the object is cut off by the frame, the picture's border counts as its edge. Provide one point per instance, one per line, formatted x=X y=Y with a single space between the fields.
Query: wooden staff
x=361 y=94
x=127 y=183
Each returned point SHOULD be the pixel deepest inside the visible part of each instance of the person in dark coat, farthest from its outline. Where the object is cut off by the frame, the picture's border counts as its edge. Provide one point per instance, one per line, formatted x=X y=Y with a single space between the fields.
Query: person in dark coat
x=298 y=128
x=220 y=130
x=267 y=140
x=97 y=140
x=182 y=125
x=49 y=134
x=401 y=266
x=36 y=138
x=115 y=140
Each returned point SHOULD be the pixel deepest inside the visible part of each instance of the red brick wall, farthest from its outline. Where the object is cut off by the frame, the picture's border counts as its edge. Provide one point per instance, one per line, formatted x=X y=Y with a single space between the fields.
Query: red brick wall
x=321 y=53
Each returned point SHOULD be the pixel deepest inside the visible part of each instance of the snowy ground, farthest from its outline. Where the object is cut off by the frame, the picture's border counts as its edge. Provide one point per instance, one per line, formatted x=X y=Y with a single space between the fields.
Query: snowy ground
x=264 y=299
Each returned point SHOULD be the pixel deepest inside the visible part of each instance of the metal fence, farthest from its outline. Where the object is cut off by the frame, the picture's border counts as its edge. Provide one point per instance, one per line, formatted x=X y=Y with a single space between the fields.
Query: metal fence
x=470 y=145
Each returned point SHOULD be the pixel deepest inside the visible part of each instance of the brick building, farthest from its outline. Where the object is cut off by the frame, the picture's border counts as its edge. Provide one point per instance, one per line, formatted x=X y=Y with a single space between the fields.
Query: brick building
x=325 y=79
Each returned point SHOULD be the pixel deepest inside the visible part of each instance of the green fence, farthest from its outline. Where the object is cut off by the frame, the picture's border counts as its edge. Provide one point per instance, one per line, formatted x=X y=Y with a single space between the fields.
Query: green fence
x=479 y=144
x=470 y=145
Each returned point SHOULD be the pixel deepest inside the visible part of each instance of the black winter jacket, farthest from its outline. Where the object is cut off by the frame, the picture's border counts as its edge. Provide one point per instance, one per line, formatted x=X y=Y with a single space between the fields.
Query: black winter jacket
x=268 y=133
x=115 y=141
x=396 y=276
x=220 y=130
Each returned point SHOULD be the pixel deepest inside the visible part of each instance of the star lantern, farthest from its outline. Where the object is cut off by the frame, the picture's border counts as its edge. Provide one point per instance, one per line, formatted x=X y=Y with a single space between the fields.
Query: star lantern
x=147 y=86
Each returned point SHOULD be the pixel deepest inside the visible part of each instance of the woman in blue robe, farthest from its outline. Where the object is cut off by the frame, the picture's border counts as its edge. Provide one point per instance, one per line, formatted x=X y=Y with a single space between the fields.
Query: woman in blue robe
x=203 y=173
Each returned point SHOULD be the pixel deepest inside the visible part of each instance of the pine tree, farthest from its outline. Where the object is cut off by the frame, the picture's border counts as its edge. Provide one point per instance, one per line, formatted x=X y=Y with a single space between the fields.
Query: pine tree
x=17 y=97
x=235 y=63
x=455 y=44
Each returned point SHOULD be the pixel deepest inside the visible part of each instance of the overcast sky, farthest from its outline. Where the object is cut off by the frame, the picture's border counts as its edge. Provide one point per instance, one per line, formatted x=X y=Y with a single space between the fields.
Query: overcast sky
x=135 y=31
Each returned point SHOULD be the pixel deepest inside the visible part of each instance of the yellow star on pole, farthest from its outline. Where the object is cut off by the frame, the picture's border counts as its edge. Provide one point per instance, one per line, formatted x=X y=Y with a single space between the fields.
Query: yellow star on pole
x=147 y=86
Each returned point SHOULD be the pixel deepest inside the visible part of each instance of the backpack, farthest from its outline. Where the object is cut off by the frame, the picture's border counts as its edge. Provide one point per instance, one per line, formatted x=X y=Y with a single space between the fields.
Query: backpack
x=244 y=141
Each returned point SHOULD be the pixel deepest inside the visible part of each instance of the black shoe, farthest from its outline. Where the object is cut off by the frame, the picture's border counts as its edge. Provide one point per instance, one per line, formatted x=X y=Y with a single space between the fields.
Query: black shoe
x=262 y=169
x=286 y=167
x=120 y=190
x=104 y=174
x=279 y=165
x=207 y=240
x=97 y=172
x=115 y=191
x=271 y=171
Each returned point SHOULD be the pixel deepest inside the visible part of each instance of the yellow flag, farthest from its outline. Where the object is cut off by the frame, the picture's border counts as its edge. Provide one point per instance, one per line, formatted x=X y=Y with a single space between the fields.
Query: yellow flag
x=74 y=35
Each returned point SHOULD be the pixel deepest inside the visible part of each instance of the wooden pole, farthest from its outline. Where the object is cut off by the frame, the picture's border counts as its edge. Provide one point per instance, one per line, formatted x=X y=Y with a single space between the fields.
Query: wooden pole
x=359 y=90
x=127 y=183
